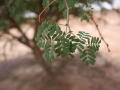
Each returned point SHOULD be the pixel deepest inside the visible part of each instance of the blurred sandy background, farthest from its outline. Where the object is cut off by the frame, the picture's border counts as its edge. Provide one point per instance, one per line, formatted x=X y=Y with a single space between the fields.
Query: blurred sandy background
x=18 y=70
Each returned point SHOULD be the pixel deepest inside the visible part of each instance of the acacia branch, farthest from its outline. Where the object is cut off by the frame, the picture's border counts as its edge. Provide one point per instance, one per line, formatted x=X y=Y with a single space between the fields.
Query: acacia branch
x=13 y=37
x=67 y=21
x=17 y=26
x=100 y=34
x=39 y=17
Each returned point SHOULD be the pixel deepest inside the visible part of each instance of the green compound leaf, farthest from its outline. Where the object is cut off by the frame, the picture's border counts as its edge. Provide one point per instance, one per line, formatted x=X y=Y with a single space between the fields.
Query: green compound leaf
x=89 y=49
x=58 y=43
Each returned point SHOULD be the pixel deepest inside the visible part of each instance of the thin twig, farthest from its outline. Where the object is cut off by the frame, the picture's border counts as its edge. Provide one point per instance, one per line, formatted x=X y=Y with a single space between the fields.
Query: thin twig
x=45 y=9
x=67 y=7
x=67 y=21
x=100 y=34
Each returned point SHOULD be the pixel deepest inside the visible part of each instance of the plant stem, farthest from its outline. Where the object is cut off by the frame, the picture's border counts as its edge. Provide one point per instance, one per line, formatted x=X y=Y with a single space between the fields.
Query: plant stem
x=100 y=34
x=45 y=9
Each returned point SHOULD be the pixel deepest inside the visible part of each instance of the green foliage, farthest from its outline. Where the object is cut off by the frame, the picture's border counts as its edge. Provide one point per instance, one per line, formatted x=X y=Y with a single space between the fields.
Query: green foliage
x=50 y=37
x=91 y=46
x=59 y=43
x=84 y=7
x=18 y=8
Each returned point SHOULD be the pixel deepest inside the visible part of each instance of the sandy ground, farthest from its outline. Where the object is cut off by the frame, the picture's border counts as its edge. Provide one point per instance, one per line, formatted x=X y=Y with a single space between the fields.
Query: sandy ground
x=20 y=72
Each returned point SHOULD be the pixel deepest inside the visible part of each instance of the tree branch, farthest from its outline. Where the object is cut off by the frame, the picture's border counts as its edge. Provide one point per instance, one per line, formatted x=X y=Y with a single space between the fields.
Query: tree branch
x=39 y=17
x=100 y=34
x=17 y=26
